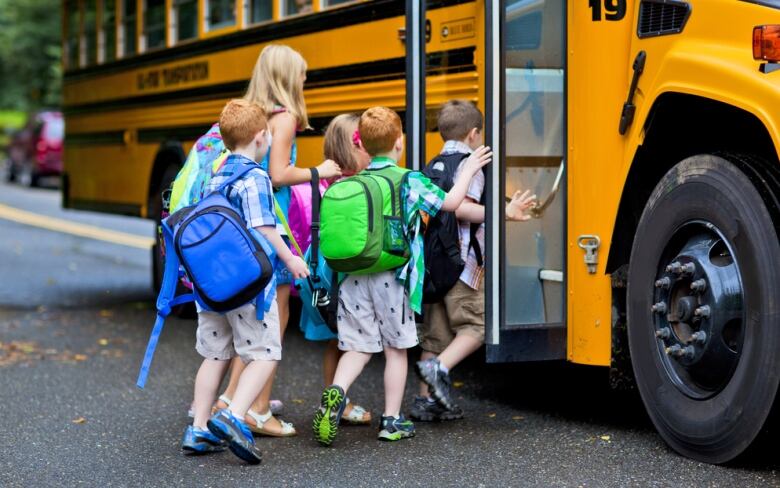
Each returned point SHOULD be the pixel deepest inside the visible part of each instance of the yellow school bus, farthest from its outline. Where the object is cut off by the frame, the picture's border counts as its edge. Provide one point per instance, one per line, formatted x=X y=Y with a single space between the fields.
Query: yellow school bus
x=648 y=128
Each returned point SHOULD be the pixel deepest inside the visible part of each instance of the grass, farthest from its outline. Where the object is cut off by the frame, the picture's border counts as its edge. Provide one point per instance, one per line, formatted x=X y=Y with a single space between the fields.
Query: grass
x=12 y=119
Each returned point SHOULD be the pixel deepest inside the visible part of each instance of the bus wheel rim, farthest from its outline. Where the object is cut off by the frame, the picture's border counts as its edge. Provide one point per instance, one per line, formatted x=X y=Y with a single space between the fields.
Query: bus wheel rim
x=698 y=310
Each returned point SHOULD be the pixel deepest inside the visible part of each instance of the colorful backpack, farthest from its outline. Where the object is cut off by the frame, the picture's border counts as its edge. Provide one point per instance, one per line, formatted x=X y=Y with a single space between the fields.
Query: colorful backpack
x=229 y=264
x=363 y=222
x=204 y=160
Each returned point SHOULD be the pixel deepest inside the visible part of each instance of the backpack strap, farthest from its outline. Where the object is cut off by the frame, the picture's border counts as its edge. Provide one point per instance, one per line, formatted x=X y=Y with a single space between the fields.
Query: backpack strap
x=165 y=302
x=315 y=223
x=474 y=244
x=244 y=169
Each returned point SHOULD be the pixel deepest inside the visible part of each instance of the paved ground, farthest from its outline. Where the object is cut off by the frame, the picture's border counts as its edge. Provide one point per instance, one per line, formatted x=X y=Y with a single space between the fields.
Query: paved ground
x=74 y=318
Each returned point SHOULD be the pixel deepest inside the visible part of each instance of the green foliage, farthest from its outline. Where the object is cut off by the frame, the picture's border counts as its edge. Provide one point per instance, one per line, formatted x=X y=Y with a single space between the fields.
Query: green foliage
x=30 y=54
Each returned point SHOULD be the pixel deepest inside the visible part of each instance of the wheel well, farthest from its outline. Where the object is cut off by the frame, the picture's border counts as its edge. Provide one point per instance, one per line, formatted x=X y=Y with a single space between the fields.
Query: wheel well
x=170 y=153
x=677 y=127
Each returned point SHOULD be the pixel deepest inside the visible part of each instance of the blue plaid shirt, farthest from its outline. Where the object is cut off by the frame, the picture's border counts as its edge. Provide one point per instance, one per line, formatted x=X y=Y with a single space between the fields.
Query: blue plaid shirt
x=252 y=195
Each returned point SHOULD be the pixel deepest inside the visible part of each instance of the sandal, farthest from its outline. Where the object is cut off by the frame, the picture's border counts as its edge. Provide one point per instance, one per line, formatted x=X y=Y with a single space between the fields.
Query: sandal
x=357 y=415
x=276 y=405
x=260 y=420
x=217 y=407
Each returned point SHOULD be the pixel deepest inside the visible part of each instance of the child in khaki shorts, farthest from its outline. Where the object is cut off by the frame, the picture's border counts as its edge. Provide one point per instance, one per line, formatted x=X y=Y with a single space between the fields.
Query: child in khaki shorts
x=455 y=327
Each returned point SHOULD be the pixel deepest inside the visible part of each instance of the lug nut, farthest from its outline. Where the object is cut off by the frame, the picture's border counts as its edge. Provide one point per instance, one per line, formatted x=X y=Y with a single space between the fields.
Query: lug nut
x=659 y=307
x=699 y=337
x=663 y=333
x=688 y=269
x=675 y=268
x=699 y=286
x=663 y=283
x=673 y=350
x=702 y=312
x=680 y=352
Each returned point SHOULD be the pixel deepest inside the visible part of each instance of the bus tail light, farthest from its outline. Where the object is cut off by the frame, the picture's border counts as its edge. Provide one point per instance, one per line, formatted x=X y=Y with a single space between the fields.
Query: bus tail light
x=766 y=43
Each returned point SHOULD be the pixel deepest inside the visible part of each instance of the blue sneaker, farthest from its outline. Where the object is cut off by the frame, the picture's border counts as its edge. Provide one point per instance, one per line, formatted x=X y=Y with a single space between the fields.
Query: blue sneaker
x=327 y=418
x=236 y=433
x=196 y=441
x=395 y=428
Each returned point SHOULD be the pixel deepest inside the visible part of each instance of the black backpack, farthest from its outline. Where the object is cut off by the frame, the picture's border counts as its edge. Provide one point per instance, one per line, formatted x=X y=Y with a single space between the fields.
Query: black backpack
x=443 y=264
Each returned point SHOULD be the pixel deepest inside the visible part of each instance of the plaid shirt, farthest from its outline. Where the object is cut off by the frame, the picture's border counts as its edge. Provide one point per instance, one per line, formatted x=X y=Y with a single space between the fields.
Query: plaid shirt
x=252 y=195
x=419 y=194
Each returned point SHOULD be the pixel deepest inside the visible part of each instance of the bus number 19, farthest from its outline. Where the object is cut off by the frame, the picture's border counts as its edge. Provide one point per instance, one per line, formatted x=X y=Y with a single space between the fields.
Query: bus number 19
x=614 y=9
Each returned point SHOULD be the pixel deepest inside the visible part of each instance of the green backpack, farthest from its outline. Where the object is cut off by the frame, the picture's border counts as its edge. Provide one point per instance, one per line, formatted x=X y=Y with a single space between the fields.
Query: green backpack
x=362 y=222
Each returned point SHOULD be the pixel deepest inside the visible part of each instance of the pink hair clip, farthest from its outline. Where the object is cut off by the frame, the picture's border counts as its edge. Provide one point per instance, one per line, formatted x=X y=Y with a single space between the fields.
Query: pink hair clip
x=356 y=138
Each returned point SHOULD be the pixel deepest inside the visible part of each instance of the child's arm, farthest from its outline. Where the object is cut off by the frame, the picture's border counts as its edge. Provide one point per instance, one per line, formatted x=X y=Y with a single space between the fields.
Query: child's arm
x=474 y=163
x=281 y=171
x=295 y=264
x=470 y=211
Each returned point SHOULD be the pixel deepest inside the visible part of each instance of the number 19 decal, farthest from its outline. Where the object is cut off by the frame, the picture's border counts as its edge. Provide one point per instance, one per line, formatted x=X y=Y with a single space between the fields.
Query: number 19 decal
x=613 y=9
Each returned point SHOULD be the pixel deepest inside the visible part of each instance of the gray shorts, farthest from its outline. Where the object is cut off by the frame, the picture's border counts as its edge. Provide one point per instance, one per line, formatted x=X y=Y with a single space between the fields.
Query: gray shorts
x=374 y=313
x=238 y=332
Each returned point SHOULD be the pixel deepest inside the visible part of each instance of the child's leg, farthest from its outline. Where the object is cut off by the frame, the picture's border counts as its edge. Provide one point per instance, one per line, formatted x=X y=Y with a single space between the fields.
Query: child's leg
x=330 y=361
x=424 y=392
x=207 y=382
x=435 y=335
x=263 y=401
x=459 y=349
x=236 y=367
x=254 y=377
x=349 y=368
x=395 y=380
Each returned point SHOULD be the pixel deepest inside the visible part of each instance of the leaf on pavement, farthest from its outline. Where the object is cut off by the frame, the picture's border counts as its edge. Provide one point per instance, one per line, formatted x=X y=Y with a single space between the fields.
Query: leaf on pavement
x=297 y=400
x=491 y=415
x=518 y=417
x=106 y=313
x=103 y=341
x=605 y=438
x=457 y=384
x=80 y=357
x=79 y=420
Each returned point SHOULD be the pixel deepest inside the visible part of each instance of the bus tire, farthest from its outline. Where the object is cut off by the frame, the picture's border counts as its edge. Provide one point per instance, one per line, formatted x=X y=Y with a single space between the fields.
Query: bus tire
x=712 y=401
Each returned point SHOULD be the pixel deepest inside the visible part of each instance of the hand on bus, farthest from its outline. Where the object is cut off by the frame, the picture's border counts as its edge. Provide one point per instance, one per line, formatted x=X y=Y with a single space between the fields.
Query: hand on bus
x=297 y=266
x=520 y=203
x=328 y=169
x=479 y=158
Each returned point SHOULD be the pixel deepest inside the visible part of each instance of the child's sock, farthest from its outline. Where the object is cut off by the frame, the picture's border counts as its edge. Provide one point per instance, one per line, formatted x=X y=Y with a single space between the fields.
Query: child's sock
x=430 y=400
x=444 y=369
x=200 y=429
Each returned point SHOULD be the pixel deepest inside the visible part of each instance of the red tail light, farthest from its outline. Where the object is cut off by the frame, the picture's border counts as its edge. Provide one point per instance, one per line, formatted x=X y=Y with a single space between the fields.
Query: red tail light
x=766 y=43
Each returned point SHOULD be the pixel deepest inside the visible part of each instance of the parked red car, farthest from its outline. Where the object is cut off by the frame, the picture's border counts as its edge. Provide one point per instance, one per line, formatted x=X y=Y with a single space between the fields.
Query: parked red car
x=36 y=150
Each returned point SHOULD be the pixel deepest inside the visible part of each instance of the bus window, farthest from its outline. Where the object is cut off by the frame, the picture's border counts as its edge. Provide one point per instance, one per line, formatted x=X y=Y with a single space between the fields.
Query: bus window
x=154 y=24
x=534 y=108
x=260 y=11
x=185 y=19
x=292 y=7
x=72 y=42
x=128 y=27
x=90 y=32
x=108 y=31
x=331 y=3
x=220 y=13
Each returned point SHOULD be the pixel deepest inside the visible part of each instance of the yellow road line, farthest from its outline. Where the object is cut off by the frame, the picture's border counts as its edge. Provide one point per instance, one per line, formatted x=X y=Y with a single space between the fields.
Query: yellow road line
x=73 y=228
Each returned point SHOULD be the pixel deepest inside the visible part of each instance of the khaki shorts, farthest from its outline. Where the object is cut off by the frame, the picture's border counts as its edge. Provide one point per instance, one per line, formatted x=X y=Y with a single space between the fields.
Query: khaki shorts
x=374 y=312
x=461 y=312
x=238 y=332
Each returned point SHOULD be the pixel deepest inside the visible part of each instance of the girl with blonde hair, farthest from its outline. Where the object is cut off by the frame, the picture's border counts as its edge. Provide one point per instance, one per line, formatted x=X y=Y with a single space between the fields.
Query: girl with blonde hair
x=277 y=86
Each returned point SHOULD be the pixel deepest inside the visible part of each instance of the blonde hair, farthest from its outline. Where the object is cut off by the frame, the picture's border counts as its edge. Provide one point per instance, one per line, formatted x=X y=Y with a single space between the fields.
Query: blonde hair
x=276 y=81
x=338 y=141
x=379 y=128
x=240 y=122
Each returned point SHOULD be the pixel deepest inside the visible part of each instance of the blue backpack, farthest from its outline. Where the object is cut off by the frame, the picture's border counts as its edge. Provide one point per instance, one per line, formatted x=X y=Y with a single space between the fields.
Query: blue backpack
x=228 y=264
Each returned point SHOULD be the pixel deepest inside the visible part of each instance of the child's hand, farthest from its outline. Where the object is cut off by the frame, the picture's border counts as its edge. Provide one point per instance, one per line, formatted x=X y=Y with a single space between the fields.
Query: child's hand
x=328 y=169
x=479 y=158
x=297 y=267
x=515 y=210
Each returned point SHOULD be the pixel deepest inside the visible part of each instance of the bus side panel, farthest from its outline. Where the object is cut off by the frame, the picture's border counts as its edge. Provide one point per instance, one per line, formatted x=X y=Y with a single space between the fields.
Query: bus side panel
x=598 y=78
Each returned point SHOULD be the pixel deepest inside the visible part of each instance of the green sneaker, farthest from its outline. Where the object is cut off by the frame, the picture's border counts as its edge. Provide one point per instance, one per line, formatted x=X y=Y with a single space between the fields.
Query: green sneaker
x=395 y=428
x=326 y=420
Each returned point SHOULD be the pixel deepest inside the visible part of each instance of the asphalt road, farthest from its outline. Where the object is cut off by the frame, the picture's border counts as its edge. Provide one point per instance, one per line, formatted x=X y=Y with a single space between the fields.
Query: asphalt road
x=75 y=314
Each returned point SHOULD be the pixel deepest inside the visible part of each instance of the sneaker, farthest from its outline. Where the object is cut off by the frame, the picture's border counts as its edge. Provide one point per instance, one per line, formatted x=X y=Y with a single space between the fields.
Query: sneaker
x=395 y=428
x=429 y=410
x=328 y=416
x=196 y=441
x=437 y=381
x=236 y=433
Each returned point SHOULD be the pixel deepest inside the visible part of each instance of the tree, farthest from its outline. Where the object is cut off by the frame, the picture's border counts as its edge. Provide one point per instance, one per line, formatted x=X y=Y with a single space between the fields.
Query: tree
x=30 y=54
